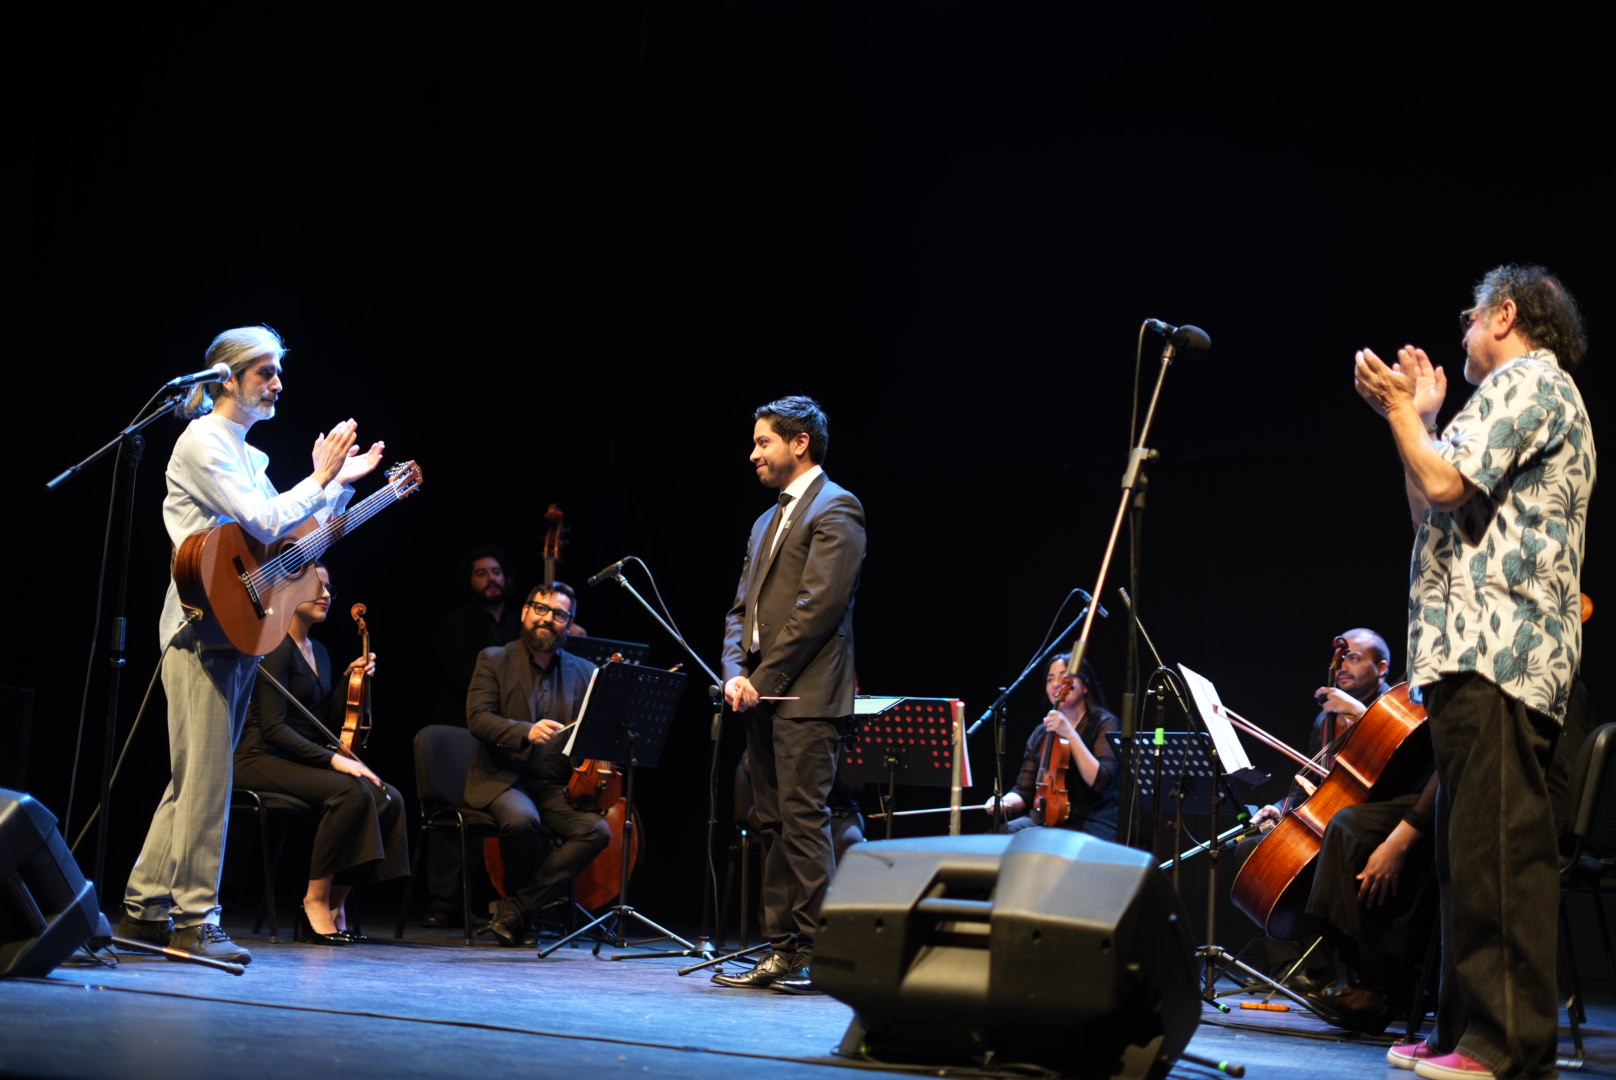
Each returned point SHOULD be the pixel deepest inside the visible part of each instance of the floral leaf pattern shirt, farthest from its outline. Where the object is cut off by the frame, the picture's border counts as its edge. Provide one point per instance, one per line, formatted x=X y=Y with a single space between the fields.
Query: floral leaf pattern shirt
x=1494 y=585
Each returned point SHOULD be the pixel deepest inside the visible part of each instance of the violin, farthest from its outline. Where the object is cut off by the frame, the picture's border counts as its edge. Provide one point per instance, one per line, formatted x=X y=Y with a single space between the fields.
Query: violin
x=356 y=715
x=1050 y=804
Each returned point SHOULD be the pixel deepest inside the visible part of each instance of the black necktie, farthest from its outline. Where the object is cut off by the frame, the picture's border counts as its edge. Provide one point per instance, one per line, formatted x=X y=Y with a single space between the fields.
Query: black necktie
x=759 y=561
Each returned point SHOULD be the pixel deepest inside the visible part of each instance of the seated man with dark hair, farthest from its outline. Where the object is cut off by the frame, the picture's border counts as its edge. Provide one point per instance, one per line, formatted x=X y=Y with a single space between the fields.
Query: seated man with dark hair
x=521 y=696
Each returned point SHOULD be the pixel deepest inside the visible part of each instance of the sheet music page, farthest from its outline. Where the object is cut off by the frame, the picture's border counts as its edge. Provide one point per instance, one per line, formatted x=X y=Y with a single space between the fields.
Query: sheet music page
x=583 y=710
x=1224 y=737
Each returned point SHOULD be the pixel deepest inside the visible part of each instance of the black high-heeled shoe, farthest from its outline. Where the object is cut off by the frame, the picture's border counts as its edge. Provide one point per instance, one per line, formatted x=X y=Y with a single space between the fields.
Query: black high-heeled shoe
x=354 y=937
x=306 y=934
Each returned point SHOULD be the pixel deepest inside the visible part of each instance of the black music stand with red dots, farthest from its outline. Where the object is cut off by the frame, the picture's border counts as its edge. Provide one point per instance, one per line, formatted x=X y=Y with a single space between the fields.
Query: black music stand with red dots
x=908 y=740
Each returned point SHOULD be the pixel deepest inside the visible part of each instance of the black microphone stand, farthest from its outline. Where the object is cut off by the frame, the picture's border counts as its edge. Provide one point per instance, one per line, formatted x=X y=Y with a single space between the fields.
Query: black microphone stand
x=120 y=523
x=996 y=712
x=1132 y=481
x=703 y=945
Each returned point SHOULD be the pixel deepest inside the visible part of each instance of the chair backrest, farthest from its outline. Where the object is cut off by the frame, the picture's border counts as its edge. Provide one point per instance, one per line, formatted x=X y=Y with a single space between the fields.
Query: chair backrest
x=443 y=755
x=1593 y=793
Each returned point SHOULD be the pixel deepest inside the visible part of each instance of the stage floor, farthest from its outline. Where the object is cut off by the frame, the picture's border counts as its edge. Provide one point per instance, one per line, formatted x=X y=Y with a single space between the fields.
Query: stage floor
x=430 y=1007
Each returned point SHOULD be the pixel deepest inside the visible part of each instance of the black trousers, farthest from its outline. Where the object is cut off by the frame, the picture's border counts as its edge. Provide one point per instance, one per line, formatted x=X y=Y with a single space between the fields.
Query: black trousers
x=793 y=765
x=1497 y=865
x=529 y=814
x=362 y=833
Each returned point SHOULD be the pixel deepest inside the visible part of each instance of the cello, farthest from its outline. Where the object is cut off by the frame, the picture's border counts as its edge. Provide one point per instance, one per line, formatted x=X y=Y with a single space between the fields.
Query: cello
x=1385 y=751
x=554 y=539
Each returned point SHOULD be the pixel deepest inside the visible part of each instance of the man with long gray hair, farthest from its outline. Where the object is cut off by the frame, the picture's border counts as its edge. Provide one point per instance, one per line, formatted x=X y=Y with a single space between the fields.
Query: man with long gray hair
x=215 y=476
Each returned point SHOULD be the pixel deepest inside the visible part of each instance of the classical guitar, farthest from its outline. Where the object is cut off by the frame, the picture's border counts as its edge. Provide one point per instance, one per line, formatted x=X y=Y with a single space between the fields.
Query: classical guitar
x=252 y=589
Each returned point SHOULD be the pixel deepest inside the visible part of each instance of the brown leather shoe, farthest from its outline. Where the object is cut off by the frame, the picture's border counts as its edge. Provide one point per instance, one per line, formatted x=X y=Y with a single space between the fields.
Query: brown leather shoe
x=762 y=975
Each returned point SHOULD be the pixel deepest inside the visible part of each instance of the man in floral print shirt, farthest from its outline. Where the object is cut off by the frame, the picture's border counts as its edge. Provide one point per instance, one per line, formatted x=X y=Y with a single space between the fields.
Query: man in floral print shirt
x=1500 y=502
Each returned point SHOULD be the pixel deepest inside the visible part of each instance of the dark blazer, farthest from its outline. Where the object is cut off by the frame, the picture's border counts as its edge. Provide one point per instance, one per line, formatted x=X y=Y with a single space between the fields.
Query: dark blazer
x=498 y=713
x=804 y=599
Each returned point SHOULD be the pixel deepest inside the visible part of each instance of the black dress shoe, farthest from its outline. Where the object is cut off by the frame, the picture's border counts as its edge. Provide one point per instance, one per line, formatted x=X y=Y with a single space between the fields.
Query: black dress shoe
x=441 y=920
x=306 y=934
x=1357 y=1008
x=508 y=923
x=799 y=980
x=354 y=937
x=762 y=975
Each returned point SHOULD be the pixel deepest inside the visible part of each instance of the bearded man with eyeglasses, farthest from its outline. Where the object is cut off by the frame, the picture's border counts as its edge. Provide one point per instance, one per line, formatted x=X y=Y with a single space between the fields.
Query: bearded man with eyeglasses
x=521 y=696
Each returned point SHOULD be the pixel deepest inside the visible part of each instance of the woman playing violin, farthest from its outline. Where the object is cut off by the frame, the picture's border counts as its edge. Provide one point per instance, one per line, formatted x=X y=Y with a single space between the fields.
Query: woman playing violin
x=1080 y=717
x=361 y=835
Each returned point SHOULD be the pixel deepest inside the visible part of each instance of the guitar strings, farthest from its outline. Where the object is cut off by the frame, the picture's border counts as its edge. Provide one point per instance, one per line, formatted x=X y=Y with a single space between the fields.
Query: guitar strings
x=296 y=556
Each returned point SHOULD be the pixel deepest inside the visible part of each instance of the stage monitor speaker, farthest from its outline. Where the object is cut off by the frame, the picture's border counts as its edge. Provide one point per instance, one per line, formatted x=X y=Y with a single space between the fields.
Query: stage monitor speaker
x=47 y=909
x=1049 y=948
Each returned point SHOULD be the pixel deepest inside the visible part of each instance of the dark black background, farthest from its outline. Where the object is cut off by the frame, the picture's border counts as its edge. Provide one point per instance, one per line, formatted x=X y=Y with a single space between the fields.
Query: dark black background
x=561 y=257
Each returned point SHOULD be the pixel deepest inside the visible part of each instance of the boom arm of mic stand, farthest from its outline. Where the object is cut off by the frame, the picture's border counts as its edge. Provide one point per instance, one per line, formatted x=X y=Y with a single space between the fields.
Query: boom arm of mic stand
x=708 y=899
x=674 y=634
x=1004 y=694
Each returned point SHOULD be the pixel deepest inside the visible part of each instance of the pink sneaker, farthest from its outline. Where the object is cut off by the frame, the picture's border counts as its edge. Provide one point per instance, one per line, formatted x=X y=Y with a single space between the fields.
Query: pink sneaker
x=1454 y=1066
x=1404 y=1055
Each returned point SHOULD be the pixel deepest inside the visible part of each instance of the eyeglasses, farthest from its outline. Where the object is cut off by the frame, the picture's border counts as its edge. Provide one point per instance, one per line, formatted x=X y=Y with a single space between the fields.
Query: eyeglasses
x=1468 y=316
x=544 y=611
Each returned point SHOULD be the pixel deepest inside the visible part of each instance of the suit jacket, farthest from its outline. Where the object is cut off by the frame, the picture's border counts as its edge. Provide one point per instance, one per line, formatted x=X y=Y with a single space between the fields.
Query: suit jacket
x=499 y=714
x=804 y=600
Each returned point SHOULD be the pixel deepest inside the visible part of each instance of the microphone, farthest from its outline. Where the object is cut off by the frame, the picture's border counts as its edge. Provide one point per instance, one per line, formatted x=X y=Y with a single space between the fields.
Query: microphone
x=610 y=571
x=219 y=372
x=1087 y=599
x=1187 y=337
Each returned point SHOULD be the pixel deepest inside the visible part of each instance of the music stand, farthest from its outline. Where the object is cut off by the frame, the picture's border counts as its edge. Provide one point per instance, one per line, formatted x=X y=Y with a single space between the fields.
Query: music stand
x=599 y=650
x=1184 y=758
x=624 y=718
x=1183 y=772
x=902 y=738
x=1223 y=758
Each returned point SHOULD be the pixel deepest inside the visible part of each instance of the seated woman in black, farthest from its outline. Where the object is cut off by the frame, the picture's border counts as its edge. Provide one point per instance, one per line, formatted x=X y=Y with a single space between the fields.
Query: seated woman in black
x=1081 y=718
x=361 y=835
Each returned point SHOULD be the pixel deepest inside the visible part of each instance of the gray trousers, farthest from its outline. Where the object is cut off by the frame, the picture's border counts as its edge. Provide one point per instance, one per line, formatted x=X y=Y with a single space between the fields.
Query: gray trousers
x=177 y=873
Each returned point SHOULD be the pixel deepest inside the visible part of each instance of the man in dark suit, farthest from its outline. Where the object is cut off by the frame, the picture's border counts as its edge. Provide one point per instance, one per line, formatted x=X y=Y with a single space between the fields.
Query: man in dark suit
x=788 y=665
x=521 y=695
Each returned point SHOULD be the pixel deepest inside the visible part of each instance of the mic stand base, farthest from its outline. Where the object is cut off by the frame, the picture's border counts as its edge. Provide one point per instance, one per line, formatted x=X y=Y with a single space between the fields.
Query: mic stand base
x=1217 y=957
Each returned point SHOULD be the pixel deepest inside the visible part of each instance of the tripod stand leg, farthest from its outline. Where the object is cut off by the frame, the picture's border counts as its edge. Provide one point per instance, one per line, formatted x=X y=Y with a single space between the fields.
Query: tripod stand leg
x=662 y=933
x=753 y=953
x=1221 y=959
